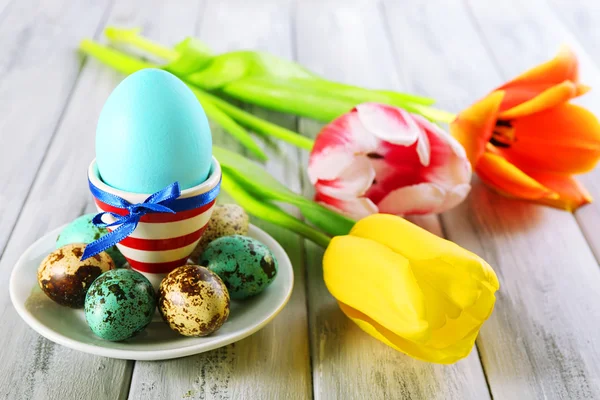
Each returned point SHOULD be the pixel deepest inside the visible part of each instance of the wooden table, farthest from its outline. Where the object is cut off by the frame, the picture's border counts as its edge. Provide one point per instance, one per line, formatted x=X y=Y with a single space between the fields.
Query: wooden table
x=540 y=342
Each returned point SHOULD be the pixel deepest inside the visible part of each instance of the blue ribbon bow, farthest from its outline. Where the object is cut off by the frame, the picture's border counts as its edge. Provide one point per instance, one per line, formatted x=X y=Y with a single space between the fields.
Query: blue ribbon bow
x=164 y=201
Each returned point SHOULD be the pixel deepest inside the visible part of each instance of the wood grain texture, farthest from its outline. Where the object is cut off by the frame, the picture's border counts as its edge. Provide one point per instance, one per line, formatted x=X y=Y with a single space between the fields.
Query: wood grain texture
x=38 y=69
x=539 y=342
x=347 y=41
x=3 y=6
x=581 y=18
x=573 y=23
x=32 y=367
x=274 y=362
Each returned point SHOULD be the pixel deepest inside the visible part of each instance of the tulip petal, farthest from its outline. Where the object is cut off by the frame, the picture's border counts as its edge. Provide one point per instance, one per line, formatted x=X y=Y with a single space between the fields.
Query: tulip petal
x=449 y=167
x=329 y=164
x=564 y=139
x=424 y=149
x=455 y=196
x=403 y=185
x=449 y=355
x=439 y=137
x=473 y=127
x=336 y=146
x=392 y=124
x=356 y=208
x=456 y=287
x=423 y=198
x=352 y=182
x=572 y=194
x=371 y=278
x=509 y=180
x=548 y=98
x=376 y=149
x=563 y=67
x=453 y=298
x=416 y=243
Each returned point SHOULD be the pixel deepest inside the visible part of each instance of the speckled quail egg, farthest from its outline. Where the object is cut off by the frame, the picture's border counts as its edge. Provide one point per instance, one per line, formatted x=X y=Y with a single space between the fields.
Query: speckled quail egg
x=83 y=230
x=66 y=279
x=119 y=304
x=226 y=220
x=193 y=301
x=246 y=265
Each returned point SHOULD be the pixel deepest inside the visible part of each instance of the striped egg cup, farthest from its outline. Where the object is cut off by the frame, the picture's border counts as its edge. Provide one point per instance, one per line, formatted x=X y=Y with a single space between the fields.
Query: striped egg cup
x=161 y=242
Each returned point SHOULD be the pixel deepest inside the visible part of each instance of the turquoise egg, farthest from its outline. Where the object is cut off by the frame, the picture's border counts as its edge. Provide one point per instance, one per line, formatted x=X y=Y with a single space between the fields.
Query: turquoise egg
x=119 y=304
x=245 y=265
x=82 y=230
x=152 y=132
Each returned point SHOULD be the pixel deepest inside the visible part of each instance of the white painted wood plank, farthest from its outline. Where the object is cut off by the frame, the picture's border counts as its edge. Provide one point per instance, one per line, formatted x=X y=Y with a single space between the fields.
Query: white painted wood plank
x=274 y=362
x=32 y=367
x=582 y=18
x=347 y=41
x=38 y=69
x=574 y=23
x=541 y=339
x=3 y=6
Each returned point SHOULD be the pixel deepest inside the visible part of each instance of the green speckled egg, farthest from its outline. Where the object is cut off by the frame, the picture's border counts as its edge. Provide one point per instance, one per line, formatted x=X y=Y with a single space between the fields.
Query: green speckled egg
x=226 y=220
x=245 y=265
x=82 y=230
x=119 y=304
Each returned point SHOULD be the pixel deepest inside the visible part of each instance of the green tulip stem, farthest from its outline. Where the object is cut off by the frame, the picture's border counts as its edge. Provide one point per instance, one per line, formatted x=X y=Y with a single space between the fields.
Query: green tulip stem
x=259 y=125
x=313 y=99
x=316 y=98
x=128 y=65
x=113 y=58
x=270 y=212
x=132 y=38
x=255 y=179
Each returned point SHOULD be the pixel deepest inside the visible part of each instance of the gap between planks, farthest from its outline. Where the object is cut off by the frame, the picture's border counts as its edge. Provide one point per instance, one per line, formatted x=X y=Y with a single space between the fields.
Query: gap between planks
x=55 y=198
x=345 y=41
x=539 y=341
x=272 y=363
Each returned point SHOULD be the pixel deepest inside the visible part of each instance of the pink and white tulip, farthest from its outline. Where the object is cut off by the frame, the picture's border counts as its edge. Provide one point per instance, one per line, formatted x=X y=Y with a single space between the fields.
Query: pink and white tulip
x=379 y=158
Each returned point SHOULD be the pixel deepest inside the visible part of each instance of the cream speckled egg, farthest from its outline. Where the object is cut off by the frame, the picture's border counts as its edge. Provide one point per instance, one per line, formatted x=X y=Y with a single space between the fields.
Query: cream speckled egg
x=226 y=220
x=66 y=279
x=193 y=301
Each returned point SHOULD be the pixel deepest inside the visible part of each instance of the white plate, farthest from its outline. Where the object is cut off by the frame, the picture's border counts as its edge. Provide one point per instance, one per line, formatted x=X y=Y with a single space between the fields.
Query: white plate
x=67 y=326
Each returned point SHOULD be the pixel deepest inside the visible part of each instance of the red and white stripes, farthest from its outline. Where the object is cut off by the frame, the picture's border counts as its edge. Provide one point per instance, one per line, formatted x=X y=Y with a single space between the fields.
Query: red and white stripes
x=160 y=242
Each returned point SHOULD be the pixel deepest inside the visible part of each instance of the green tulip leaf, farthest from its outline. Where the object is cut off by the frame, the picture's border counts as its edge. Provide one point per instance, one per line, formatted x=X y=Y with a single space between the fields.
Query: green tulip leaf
x=260 y=125
x=270 y=212
x=270 y=81
x=289 y=97
x=192 y=56
x=127 y=64
x=131 y=37
x=258 y=181
x=229 y=67
x=229 y=124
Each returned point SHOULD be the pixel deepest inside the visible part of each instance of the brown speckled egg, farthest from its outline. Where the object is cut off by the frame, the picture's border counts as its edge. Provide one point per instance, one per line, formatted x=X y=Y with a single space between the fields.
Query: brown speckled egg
x=193 y=300
x=226 y=220
x=66 y=279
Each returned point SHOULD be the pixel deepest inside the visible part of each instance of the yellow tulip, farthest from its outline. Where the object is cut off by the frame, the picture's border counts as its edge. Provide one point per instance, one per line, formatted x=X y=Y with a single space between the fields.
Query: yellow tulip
x=416 y=292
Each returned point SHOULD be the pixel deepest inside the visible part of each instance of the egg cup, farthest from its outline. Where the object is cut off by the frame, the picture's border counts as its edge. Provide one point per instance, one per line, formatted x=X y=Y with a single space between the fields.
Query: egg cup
x=161 y=242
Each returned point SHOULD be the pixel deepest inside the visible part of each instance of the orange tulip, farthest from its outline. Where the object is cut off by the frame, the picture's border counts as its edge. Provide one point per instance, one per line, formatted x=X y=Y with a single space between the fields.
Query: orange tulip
x=526 y=140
